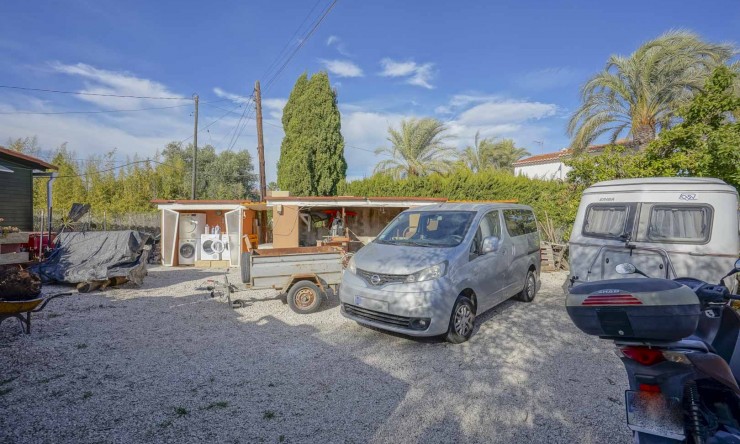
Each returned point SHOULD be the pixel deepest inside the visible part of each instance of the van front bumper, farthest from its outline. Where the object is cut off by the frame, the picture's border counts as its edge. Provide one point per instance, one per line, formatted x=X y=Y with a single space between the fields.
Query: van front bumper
x=418 y=309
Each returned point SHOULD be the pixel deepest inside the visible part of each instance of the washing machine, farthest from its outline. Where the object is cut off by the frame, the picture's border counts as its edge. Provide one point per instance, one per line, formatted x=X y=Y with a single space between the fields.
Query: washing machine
x=211 y=247
x=192 y=225
x=187 y=251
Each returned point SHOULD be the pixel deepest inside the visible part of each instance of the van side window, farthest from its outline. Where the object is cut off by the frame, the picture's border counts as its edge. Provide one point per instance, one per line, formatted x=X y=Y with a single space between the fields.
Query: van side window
x=519 y=222
x=680 y=223
x=605 y=220
x=489 y=226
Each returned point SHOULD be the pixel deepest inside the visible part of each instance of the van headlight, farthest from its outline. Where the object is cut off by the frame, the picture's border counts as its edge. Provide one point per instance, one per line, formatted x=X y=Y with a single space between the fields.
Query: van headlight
x=351 y=266
x=428 y=274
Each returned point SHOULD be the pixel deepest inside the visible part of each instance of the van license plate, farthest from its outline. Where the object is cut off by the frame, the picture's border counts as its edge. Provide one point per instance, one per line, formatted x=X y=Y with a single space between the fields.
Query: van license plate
x=655 y=414
x=358 y=300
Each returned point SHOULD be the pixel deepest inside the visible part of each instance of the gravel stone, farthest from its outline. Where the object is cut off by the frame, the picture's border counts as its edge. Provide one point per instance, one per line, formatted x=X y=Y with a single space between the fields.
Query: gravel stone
x=166 y=363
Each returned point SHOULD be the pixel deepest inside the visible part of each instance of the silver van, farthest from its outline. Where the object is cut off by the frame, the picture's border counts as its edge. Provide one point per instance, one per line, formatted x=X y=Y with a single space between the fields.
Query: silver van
x=433 y=268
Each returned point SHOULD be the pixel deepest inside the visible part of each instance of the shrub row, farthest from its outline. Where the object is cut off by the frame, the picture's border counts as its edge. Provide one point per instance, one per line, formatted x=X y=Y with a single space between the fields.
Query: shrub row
x=555 y=200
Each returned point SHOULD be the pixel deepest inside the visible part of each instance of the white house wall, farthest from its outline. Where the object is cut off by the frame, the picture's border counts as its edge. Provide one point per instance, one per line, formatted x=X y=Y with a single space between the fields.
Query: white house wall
x=546 y=171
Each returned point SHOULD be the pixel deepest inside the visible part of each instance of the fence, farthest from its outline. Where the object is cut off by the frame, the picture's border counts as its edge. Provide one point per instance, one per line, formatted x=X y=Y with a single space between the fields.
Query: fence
x=101 y=221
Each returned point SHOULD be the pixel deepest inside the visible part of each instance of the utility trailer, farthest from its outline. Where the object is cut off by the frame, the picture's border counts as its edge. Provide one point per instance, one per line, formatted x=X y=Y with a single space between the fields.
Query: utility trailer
x=304 y=273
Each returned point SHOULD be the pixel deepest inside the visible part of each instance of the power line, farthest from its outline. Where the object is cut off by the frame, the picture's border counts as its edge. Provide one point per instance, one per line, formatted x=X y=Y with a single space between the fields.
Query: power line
x=288 y=43
x=303 y=42
x=92 y=112
x=94 y=94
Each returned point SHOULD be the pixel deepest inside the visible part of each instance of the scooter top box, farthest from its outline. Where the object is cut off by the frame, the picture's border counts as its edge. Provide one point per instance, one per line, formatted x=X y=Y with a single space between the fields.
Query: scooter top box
x=635 y=308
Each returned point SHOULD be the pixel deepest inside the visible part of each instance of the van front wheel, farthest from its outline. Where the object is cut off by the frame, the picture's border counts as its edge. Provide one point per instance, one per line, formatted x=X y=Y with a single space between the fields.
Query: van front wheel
x=530 y=288
x=462 y=321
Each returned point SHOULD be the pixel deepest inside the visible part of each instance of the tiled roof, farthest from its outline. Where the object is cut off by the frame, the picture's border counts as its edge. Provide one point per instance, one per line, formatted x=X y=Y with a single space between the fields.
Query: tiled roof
x=565 y=152
x=25 y=159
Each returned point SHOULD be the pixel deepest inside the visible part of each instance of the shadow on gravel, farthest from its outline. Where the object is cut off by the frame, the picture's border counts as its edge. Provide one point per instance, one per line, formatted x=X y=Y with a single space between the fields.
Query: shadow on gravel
x=526 y=375
x=184 y=369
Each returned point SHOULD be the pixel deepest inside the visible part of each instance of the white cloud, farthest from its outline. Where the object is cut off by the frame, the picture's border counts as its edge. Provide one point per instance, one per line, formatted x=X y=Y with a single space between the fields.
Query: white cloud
x=236 y=98
x=416 y=74
x=338 y=44
x=332 y=40
x=496 y=112
x=342 y=68
x=101 y=81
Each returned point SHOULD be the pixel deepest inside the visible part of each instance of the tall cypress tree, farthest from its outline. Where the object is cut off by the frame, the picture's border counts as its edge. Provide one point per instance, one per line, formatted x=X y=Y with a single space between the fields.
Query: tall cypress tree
x=294 y=169
x=312 y=153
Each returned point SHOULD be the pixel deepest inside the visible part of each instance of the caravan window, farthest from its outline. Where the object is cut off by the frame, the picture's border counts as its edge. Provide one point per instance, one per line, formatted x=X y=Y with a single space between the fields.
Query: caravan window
x=680 y=223
x=606 y=220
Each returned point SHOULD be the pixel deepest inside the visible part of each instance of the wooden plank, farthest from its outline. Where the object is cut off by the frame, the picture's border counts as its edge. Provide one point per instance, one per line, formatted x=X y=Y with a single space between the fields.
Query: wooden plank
x=13 y=258
x=15 y=238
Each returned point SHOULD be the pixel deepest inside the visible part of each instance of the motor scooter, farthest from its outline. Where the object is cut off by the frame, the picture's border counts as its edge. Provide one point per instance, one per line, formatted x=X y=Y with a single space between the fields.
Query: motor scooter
x=679 y=341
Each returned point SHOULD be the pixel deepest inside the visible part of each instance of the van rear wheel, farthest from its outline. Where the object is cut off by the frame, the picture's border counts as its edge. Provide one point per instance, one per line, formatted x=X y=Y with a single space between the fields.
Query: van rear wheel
x=462 y=321
x=530 y=288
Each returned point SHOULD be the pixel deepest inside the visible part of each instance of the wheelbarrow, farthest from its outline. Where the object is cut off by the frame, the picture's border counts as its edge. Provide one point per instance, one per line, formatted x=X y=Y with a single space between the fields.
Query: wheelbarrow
x=22 y=310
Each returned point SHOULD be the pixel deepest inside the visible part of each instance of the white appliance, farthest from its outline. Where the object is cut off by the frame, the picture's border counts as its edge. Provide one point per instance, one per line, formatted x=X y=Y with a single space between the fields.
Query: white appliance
x=190 y=227
x=187 y=251
x=226 y=254
x=211 y=247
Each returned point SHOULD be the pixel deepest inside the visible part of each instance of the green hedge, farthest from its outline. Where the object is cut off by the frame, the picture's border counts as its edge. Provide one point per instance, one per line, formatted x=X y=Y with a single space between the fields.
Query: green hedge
x=555 y=200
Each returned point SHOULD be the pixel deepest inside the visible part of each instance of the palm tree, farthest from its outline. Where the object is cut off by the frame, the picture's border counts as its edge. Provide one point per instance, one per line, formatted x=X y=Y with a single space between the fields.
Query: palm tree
x=504 y=153
x=418 y=148
x=478 y=156
x=642 y=93
x=487 y=153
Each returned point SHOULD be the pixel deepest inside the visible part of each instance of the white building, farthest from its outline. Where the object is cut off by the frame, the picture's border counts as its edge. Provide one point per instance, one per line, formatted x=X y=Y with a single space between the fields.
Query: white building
x=551 y=166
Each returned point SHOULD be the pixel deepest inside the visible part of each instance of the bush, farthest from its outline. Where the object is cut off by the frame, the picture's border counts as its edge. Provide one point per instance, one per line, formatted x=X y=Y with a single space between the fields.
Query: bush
x=555 y=200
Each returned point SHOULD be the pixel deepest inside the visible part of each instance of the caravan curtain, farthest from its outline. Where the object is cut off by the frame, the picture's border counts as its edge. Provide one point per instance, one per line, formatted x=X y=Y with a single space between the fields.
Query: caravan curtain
x=679 y=224
x=605 y=221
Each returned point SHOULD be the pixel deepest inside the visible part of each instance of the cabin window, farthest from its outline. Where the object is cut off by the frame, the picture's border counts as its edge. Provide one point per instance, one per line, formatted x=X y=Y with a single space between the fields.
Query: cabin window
x=519 y=222
x=680 y=224
x=606 y=221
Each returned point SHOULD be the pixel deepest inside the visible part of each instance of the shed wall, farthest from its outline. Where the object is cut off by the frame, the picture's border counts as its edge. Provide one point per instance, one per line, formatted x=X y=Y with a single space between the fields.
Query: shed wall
x=16 y=196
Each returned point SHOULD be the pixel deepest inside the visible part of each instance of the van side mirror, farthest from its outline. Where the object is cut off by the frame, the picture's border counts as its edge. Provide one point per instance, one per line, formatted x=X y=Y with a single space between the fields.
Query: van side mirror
x=490 y=245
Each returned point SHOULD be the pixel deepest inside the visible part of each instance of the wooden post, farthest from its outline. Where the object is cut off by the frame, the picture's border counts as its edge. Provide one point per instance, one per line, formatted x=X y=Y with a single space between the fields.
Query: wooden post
x=261 y=158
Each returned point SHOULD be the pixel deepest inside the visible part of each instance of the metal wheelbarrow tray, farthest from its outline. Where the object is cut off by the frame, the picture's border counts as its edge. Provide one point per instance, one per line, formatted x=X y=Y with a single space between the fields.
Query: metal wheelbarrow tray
x=22 y=310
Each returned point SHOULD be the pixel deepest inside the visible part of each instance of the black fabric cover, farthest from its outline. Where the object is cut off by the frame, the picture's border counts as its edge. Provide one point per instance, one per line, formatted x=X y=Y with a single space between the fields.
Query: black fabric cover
x=97 y=256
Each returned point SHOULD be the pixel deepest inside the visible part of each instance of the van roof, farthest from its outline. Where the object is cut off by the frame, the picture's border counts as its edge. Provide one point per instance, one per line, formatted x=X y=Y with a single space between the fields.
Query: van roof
x=662 y=184
x=469 y=206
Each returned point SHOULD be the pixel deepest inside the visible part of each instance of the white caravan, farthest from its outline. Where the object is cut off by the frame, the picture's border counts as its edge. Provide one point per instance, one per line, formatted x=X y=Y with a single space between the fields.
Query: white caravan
x=667 y=227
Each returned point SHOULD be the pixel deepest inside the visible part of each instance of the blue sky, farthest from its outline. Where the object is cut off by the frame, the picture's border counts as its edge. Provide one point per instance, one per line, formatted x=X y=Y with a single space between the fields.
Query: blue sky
x=505 y=68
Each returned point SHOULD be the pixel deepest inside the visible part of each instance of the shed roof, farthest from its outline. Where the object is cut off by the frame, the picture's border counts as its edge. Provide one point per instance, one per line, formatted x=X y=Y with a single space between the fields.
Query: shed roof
x=206 y=204
x=25 y=160
x=353 y=201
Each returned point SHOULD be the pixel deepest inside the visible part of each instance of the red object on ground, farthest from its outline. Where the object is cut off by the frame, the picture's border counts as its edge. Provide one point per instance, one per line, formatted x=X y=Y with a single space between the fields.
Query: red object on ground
x=38 y=242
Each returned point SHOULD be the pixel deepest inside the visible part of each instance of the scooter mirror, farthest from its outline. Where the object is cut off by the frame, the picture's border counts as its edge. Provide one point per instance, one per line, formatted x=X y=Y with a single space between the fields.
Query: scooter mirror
x=626 y=268
x=737 y=264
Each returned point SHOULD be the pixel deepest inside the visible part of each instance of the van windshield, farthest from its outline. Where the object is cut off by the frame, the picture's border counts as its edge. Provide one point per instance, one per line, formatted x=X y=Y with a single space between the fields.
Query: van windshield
x=427 y=228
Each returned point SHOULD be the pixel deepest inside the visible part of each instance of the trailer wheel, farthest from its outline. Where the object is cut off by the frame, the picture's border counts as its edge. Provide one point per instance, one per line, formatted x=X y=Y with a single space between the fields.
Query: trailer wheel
x=244 y=266
x=305 y=297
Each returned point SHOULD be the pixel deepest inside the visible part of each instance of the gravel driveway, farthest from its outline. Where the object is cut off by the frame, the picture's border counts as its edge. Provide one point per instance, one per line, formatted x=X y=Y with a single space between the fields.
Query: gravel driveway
x=164 y=363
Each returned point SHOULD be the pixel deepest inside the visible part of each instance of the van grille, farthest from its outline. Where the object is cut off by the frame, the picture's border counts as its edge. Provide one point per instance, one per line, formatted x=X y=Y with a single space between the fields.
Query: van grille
x=382 y=279
x=377 y=316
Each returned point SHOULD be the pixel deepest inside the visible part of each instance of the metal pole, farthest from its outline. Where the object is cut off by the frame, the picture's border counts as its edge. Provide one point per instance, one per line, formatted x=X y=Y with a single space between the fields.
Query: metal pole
x=195 y=148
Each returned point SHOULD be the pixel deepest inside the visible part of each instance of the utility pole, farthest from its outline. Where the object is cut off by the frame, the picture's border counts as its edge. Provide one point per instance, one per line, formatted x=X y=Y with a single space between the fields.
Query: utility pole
x=261 y=158
x=260 y=141
x=195 y=148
